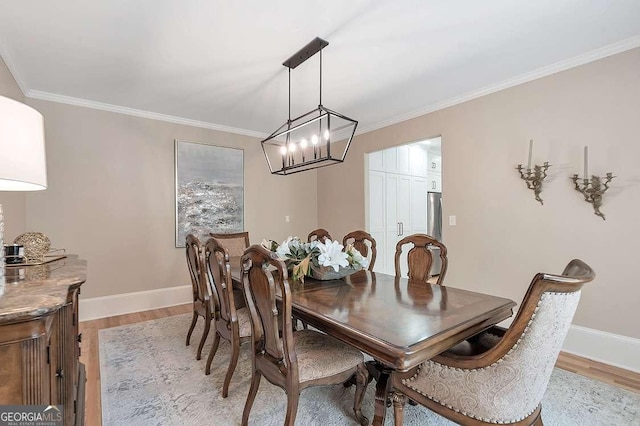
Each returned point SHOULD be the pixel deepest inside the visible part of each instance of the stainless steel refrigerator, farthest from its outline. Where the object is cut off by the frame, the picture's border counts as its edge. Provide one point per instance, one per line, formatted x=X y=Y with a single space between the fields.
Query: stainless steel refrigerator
x=434 y=227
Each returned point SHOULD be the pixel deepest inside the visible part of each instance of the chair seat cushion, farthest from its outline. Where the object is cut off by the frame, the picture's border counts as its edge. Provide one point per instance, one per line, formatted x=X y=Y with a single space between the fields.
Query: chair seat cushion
x=244 y=322
x=320 y=355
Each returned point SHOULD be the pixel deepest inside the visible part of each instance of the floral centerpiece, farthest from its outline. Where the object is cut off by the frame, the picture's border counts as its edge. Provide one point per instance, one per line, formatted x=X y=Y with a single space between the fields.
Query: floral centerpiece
x=324 y=261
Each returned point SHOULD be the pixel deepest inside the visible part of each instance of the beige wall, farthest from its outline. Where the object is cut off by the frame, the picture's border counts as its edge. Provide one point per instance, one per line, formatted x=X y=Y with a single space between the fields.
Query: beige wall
x=503 y=236
x=111 y=196
x=13 y=203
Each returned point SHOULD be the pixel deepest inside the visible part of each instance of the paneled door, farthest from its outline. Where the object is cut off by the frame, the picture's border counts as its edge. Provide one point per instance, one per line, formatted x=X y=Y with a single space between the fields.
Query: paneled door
x=397 y=199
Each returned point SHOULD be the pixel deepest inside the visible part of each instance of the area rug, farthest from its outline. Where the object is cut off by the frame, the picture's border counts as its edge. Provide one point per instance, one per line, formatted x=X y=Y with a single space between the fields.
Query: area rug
x=149 y=377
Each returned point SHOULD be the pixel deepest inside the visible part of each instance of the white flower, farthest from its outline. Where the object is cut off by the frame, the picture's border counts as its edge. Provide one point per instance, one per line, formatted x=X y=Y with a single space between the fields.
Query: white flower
x=357 y=257
x=331 y=254
x=283 y=249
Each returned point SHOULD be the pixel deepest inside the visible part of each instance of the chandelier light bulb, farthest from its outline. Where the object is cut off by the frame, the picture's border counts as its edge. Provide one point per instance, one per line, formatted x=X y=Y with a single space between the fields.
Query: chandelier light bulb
x=326 y=135
x=303 y=143
x=283 y=150
x=314 y=140
x=292 y=147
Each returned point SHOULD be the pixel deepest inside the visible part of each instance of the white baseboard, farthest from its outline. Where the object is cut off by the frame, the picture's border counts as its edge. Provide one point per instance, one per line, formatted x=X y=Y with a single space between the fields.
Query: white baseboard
x=609 y=348
x=119 y=304
x=613 y=349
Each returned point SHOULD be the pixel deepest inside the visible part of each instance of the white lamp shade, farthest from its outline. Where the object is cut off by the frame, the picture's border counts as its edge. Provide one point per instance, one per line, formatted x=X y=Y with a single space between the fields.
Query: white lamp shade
x=23 y=164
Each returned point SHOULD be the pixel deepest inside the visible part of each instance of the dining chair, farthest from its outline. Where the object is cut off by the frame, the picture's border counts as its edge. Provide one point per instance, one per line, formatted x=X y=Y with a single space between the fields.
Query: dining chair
x=291 y=360
x=235 y=243
x=231 y=324
x=504 y=380
x=202 y=304
x=420 y=257
x=319 y=234
x=364 y=243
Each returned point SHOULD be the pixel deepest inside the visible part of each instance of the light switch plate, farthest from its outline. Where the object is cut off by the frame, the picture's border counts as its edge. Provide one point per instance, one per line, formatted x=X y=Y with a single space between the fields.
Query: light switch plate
x=452 y=221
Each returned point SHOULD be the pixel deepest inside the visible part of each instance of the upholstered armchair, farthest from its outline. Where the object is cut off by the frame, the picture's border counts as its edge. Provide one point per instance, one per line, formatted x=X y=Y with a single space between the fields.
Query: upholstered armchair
x=504 y=374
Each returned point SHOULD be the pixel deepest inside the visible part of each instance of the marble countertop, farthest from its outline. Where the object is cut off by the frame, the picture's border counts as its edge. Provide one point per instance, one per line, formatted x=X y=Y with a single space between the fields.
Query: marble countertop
x=32 y=291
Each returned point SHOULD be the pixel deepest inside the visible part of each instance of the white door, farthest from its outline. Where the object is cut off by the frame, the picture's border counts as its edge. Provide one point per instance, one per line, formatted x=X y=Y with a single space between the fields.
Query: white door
x=377 y=215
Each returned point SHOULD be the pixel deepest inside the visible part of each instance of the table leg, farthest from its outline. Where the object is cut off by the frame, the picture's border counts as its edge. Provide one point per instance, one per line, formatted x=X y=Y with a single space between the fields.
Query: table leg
x=382 y=391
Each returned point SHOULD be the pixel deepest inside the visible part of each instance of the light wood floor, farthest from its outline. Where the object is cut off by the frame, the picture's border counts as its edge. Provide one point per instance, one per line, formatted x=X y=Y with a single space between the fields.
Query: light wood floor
x=89 y=329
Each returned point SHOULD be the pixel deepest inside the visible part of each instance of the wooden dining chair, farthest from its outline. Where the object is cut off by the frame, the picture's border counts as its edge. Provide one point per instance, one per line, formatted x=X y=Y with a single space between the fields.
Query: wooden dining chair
x=291 y=360
x=364 y=243
x=503 y=382
x=231 y=324
x=319 y=234
x=235 y=243
x=420 y=258
x=202 y=304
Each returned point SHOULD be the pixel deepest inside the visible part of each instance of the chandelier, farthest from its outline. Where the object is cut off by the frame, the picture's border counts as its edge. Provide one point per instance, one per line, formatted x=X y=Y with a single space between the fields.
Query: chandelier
x=319 y=138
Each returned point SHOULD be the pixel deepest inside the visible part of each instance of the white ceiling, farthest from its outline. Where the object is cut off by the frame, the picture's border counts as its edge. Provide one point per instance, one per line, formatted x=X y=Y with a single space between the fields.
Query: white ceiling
x=219 y=62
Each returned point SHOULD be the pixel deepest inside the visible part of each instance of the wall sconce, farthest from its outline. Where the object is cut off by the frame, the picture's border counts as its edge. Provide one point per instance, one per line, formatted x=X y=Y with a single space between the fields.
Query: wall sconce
x=592 y=189
x=534 y=178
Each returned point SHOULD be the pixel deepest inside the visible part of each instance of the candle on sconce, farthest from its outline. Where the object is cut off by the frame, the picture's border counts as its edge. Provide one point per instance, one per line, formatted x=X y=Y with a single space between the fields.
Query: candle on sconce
x=586 y=163
x=314 y=142
x=303 y=145
x=530 y=154
x=283 y=151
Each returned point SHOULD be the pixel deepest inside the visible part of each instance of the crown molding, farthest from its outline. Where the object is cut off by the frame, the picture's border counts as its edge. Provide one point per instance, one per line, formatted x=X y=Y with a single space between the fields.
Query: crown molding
x=585 y=58
x=6 y=56
x=53 y=97
x=591 y=56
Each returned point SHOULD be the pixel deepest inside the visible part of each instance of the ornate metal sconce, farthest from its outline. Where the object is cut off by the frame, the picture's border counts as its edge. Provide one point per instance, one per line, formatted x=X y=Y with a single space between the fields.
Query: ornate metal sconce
x=592 y=189
x=534 y=178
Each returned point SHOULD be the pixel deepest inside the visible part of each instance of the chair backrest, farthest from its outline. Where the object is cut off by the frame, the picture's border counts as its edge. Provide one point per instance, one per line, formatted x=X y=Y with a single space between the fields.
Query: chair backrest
x=420 y=258
x=527 y=351
x=196 y=271
x=261 y=286
x=364 y=243
x=319 y=234
x=235 y=243
x=216 y=259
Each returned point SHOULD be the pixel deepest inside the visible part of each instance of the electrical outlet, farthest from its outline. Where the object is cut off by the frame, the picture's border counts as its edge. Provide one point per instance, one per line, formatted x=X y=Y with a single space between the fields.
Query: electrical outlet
x=452 y=221
x=287 y=219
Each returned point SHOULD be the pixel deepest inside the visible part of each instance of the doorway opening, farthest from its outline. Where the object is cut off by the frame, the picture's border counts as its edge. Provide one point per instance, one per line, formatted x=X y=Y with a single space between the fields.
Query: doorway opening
x=404 y=197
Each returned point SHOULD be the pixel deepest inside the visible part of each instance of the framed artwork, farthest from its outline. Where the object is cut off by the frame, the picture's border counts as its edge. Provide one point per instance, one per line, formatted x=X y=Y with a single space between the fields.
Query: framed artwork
x=209 y=190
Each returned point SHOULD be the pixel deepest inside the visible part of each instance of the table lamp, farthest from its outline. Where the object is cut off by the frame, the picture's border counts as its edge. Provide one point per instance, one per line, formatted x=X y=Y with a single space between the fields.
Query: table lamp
x=22 y=156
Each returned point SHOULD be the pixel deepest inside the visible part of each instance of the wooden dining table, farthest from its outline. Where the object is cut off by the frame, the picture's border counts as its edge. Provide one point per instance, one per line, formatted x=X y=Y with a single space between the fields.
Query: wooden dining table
x=398 y=322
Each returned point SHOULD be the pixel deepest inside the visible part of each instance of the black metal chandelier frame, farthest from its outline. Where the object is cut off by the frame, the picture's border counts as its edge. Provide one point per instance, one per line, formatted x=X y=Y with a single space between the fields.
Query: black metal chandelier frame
x=282 y=136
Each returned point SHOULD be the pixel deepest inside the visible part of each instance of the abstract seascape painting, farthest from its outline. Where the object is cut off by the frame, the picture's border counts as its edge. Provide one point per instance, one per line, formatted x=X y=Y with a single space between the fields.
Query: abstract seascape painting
x=209 y=190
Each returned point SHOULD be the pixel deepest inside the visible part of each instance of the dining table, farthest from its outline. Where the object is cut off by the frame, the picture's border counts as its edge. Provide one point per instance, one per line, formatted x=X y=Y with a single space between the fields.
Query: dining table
x=399 y=322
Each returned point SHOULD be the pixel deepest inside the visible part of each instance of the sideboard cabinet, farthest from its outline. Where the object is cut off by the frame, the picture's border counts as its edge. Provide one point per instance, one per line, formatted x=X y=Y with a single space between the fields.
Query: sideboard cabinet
x=39 y=338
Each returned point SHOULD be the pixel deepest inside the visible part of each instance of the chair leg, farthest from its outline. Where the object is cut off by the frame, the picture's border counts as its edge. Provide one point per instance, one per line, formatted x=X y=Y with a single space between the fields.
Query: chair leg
x=193 y=325
x=214 y=349
x=293 y=396
x=207 y=326
x=538 y=421
x=253 y=390
x=235 y=352
x=398 y=407
x=362 y=379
